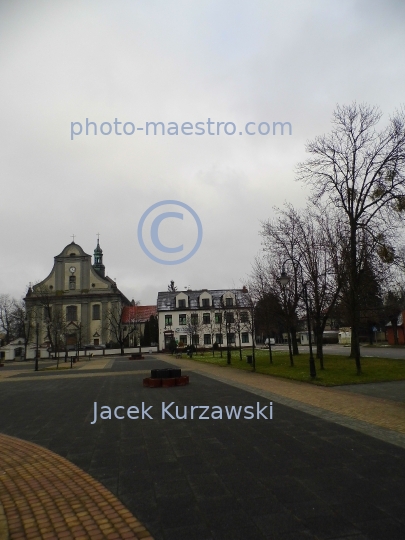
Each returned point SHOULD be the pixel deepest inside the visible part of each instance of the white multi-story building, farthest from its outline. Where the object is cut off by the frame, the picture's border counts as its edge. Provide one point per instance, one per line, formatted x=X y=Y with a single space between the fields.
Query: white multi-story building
x=205 y=317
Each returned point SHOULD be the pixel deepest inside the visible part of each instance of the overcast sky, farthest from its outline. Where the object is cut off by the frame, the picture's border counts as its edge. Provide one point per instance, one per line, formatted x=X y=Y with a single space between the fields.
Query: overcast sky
x=172 y=61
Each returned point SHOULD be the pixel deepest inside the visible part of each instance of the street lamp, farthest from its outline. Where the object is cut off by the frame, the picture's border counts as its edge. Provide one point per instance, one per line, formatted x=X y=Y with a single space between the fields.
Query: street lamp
x=284 y=280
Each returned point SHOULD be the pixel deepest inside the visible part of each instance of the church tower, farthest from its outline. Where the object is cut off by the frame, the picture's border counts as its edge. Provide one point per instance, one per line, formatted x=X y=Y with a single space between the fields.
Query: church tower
x=98 y=260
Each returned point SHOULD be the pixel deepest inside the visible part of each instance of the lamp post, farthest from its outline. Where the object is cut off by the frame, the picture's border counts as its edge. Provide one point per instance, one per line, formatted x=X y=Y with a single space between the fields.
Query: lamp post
x=284 y=280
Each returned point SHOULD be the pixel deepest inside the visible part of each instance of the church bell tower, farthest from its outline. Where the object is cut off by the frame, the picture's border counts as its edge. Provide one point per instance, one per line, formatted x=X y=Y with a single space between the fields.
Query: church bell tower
x=98 y=260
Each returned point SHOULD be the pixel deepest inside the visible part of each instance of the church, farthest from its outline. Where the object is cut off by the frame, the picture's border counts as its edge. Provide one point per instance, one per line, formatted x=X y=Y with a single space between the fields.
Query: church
x=75 y=301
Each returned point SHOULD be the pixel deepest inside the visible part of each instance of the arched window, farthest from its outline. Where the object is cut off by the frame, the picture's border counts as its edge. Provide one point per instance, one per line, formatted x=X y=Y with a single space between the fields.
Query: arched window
x=96 y=312
x=71 y=313
x=72 y=283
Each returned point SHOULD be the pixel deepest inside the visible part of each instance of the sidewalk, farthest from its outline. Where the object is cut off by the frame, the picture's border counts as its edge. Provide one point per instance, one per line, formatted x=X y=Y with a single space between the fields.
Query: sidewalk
x=45 y=496
x=364 y=412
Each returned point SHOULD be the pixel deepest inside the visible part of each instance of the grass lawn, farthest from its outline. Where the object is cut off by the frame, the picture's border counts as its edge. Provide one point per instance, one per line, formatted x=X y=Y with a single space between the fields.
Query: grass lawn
x=338 y=369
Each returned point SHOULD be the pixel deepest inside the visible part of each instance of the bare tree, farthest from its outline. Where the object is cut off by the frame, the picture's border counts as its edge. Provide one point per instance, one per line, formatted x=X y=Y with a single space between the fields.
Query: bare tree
x=7 y=317
x=210 y=327
x=25 y=320
x=321 y=256
x=249 y=302
x=281 y=240
x=269 y=310
x=193 y=327
x=118 y=328
x=219 y=324
x=361 y=172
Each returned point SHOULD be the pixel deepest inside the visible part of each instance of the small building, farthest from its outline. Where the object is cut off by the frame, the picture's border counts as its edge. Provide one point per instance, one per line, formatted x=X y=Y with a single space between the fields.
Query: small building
x=329 y=336
x=204 y=318
x=397 y=331
x=345 y=335
x=13 y=350
x=137 y=317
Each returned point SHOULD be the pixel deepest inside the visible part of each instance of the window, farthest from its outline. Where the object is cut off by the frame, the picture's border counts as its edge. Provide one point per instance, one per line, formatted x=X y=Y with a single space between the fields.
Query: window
x=230 y=317
x=245 y=337
x=182 y=320
x=181 y=303
x=244 y=316
x=71 y=313
x=168 y=320
x=229 y=302
x=219 y=338
x=206 y=318
x=194 y=318
x=196 y=340
x=205 y=302
x=72 y=283
x=47 y=313
x=183 y=339
x=96 y=312
x=207 y=339
x=218 y=318
x=230 y=338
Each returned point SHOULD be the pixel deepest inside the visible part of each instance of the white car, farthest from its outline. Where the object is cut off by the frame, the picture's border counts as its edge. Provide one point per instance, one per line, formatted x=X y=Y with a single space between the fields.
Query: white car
x=272 y=341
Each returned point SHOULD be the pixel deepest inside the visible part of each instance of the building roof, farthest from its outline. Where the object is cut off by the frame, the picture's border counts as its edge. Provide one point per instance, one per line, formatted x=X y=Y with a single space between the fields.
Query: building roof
x=138 y=313
x=166 y=300
x=75 y=247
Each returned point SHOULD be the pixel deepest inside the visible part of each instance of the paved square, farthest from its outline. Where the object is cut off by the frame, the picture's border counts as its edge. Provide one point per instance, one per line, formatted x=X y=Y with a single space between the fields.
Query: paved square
x=296 y=476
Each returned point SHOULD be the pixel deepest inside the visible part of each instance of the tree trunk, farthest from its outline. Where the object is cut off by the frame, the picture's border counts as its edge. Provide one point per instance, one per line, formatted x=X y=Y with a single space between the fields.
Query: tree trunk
x=122 y=349
x=319 y=344
x=294 y=341
x=289 y=348
x=270 y=351
x=319 y=348
x=354 y=304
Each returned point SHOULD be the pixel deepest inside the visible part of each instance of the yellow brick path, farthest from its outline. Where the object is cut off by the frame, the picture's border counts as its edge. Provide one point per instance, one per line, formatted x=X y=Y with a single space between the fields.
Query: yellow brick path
x=44 y=496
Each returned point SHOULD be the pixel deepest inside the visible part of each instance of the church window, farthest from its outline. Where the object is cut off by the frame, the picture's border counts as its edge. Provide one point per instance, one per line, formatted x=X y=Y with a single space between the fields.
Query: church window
x=96 y=312
x=71 y=313
x=72 y=283
x=47 y=313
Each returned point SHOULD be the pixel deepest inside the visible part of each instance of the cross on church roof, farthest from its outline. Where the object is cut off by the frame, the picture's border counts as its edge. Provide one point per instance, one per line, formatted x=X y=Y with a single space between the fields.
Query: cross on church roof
x=98 y=236
x=73 y=236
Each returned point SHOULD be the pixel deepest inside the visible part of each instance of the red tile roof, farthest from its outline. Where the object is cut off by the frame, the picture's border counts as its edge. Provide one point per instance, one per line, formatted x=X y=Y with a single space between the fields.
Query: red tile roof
x=138 y=313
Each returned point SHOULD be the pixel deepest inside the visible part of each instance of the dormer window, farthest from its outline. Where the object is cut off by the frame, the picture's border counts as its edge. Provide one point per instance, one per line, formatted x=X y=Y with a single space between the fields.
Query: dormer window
x=205 y=302
x=182 y=304
x=229 y=302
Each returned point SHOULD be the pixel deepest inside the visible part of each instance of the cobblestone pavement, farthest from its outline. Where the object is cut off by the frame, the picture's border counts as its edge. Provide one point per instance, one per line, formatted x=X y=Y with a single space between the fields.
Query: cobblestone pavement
x=46 y=496
x=297 y=476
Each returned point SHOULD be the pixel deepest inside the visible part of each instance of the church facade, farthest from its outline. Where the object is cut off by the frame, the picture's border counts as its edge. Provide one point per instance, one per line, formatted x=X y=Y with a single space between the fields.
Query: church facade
x=72 y=306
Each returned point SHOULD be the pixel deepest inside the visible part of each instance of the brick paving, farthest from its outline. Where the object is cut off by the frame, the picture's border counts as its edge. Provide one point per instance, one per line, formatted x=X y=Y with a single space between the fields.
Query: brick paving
x=46 y=496
x=379 y=412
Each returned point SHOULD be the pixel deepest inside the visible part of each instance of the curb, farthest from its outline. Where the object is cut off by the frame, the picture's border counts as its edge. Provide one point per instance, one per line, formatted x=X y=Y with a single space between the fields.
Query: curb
x=4 y=534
